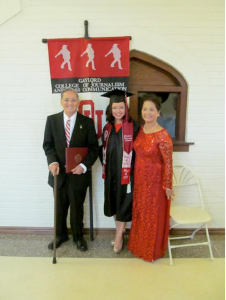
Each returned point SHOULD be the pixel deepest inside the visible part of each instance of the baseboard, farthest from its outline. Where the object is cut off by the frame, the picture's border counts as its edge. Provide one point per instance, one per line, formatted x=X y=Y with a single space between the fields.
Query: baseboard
x=102 y=231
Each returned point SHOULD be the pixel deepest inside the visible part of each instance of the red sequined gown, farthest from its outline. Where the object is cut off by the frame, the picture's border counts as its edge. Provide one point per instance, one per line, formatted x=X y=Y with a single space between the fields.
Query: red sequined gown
x=152 y=175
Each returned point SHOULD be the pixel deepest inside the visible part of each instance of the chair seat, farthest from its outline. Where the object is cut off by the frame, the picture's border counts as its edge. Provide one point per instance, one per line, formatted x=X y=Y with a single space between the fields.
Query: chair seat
x=189 y=215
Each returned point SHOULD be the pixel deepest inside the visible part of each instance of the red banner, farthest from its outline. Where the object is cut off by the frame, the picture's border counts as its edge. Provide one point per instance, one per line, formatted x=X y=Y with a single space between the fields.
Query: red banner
x=93 y=65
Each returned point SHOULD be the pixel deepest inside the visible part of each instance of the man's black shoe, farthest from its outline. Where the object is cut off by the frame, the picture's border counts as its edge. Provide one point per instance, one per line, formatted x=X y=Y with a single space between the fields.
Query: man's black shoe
x=81 y=245
x=59 y=241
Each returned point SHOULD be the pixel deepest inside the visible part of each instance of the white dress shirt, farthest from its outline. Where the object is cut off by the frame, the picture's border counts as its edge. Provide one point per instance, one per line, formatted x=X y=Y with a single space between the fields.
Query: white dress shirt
x=72 y=122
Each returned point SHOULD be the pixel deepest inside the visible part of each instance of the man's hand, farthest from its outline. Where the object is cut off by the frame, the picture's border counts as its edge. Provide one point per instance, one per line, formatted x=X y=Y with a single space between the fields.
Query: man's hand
x=77 y=170
x=54 y=169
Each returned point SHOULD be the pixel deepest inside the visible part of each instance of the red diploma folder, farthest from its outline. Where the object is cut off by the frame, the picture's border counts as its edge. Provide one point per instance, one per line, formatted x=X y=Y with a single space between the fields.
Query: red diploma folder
x=74 y=156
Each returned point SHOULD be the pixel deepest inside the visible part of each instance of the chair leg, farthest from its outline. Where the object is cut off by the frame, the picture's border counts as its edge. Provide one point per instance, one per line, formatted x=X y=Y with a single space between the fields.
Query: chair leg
x=170 y=253
x=208 y=239
x=196 y=230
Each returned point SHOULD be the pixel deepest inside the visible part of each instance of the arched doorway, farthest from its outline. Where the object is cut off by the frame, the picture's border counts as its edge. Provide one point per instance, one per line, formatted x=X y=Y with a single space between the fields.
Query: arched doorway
x=151 y=75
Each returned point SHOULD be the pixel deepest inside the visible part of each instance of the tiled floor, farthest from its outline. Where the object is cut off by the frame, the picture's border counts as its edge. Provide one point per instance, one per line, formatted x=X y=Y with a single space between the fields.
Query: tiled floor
x=36 y=246
x=36 y=278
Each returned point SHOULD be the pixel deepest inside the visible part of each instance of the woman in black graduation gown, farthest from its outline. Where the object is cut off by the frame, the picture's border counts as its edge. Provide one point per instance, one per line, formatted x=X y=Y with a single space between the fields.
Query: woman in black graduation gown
x=118 y=157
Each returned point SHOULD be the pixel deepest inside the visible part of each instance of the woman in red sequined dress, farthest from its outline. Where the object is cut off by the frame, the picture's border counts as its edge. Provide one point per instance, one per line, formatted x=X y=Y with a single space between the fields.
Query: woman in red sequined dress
x=152 y=186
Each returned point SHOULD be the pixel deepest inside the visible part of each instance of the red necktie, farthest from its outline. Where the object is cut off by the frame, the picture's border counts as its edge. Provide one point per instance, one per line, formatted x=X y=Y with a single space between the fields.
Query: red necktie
x=67 y=132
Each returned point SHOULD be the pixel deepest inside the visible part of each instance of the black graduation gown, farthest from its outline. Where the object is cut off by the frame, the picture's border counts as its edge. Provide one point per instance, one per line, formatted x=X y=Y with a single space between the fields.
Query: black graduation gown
x=117 y=201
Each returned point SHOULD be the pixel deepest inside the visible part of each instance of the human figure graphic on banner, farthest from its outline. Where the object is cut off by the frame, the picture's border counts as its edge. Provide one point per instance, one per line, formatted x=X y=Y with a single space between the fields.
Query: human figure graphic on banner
x=89 y=50
x=66 y=57
x=116 y=54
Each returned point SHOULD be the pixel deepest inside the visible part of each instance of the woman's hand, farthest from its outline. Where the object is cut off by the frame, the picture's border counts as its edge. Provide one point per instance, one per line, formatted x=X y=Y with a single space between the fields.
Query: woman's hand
x=170 y=194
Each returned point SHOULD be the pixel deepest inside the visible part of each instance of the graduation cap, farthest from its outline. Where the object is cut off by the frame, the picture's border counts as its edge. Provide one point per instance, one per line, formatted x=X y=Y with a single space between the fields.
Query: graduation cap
x=117 y=95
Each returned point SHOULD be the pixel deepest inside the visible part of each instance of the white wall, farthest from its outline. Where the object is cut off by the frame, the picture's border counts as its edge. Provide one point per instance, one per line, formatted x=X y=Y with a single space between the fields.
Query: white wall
x=9 y=9
x=188 y=35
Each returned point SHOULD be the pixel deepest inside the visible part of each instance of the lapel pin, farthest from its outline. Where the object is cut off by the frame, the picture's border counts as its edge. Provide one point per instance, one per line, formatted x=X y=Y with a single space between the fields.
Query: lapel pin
x=80 y=126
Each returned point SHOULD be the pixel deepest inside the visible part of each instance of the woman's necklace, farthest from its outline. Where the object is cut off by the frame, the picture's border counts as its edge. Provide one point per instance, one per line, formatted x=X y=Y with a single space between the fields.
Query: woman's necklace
x=148 y=131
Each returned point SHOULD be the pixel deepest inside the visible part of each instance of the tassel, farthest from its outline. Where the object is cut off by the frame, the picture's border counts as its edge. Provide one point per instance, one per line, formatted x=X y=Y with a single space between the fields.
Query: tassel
x=128 y=191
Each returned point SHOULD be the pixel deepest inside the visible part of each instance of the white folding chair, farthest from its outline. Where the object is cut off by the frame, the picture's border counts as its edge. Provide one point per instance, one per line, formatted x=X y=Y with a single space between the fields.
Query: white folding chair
x=186 y=185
